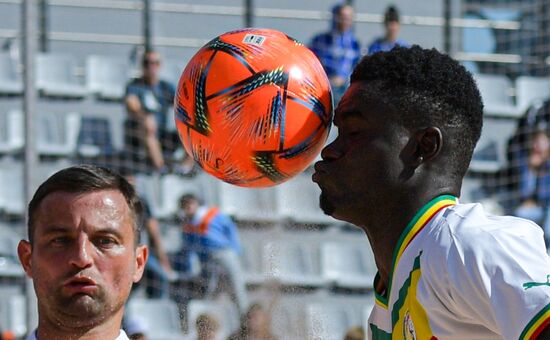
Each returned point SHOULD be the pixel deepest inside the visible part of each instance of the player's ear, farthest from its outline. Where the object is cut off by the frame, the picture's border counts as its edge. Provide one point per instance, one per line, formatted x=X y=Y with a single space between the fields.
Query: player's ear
x=429 y=142
x=142 y=252
x=24 y=251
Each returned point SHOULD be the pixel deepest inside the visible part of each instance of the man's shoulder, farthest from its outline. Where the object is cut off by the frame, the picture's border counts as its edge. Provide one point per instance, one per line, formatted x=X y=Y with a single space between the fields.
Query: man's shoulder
x=470 y=228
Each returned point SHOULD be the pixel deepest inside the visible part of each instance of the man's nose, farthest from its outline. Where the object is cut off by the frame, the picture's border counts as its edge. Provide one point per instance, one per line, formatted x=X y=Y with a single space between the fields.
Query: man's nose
x=81 y=255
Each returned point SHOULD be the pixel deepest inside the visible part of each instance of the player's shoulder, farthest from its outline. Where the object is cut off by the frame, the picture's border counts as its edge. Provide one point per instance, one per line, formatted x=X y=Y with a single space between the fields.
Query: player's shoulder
x=470 y=226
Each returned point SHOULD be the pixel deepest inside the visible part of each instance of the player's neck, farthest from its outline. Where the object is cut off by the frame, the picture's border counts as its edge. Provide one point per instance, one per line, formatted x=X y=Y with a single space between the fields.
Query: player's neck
x=108 y=329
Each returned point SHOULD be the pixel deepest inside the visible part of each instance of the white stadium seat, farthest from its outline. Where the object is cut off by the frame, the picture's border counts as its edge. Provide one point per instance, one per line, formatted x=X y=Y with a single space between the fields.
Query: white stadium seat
x=495 y=92
x=58 y=133
x=348 y=265
x=10 y=79
x=11 y=132
x=106 y=76
x=56 y=76
x=159 y=317
x=531 y=89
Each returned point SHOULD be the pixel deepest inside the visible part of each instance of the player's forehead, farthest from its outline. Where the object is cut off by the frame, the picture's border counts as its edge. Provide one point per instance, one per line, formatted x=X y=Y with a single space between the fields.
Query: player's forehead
x=356 y=106
x=98 y=207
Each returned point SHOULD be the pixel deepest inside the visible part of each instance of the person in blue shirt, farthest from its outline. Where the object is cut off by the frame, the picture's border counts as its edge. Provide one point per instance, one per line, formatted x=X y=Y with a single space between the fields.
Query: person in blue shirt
x=390 y=38
x=338 y=50
x=150 y=133
x=213 y=237
x=534 y=181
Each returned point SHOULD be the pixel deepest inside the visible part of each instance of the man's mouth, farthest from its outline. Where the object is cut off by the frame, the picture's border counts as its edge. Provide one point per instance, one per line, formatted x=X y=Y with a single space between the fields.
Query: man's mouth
x=80 y=285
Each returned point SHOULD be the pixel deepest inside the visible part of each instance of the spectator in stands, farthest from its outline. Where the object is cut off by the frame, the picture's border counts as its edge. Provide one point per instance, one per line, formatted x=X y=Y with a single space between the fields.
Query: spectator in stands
x=213 y=236
x=83 y=253
x=207 y=327
x=355 y=333
x=338 y=49
x=407 y=129
x=534 y=181
x=255 y=324
x=390 y=38
x=150 y=135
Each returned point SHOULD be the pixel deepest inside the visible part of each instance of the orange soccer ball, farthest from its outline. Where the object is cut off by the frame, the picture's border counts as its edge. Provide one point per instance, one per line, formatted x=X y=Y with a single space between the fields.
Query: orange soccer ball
x=253 y=107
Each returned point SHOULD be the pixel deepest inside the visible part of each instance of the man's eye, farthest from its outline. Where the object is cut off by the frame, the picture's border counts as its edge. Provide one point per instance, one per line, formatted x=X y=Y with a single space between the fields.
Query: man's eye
x=59 y=241
x=106 y=241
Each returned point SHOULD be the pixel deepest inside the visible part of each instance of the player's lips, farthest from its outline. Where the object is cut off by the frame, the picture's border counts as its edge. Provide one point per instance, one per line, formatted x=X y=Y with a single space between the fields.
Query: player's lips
x=320 y=171
x=80 y=284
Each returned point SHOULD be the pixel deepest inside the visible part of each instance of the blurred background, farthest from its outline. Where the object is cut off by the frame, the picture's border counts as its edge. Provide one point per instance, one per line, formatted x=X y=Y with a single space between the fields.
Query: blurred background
x=66 y=70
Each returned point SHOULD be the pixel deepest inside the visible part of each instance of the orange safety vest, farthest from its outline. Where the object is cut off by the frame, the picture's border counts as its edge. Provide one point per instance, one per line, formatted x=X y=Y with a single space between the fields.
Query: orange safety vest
x=202 y=227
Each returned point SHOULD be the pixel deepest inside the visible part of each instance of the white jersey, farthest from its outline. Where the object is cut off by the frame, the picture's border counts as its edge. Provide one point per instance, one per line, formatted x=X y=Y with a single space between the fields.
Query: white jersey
x=121 y=336
x=459 y=273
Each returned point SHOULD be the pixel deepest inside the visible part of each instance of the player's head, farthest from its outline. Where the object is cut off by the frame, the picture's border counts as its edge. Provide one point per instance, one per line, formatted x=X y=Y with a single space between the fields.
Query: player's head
x=84 y=179
x=409 y=122
x=151 y=63
x=391 y=22
x=342 y=16
x=207 y=327
x=189 y=203
x=82 y=254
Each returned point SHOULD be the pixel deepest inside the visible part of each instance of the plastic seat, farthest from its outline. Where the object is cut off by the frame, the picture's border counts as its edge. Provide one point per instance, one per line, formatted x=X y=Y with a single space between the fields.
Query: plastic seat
x=490 y=152
x=95 y=137
x=58 y=133
x=107 y=76
x=247 y=204
x=10 y=80
x=11 y=196
x=56 y=76
x=292 y=263
x=348 y=265
x=160 y=317
x=251 y=255
x=298 y=200
x=224 y=312
x=331 y=319
x=495 y=91
x=11 y=132
x=531 y=89
x=13 y=311
x=171 y=70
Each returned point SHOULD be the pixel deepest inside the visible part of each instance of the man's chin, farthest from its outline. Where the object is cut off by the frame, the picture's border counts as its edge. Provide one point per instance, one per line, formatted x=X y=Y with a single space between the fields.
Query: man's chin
x=326 y=205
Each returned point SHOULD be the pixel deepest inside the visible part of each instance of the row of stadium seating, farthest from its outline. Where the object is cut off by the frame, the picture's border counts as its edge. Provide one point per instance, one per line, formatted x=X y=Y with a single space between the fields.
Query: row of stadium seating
x=313 y=316
x=59 y=75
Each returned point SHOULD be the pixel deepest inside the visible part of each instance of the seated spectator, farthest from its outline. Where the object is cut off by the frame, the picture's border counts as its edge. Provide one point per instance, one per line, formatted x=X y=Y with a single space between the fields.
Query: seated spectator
x=390 y=38
x=534 y=181
x=207 y=327
x=338 y=50
x=355 y=333
x=150 y=135
x=255 y=324
x=213 y=236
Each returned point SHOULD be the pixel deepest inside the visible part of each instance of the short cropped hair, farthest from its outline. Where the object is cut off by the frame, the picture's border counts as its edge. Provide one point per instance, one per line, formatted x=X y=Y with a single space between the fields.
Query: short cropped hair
x=86 y=179
x=391 y=15
x=423 y=87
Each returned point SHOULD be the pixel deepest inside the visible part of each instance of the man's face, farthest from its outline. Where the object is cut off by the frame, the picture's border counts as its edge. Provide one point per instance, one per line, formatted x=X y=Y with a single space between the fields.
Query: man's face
x=392 y=28
x=151 y=65
x=344 y=19
x=362 y=167
x=190 y=207
x=83 y=260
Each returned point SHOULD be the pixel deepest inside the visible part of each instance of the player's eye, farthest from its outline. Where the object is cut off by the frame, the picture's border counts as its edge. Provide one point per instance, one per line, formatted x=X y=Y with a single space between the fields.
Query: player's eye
x=106 y=242
x=59 y=241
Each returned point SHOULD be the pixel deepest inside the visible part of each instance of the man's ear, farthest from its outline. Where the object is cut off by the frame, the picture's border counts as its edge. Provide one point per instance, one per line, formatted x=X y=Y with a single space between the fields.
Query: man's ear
x=429 y=142
x=24 y=251
x=142 y=253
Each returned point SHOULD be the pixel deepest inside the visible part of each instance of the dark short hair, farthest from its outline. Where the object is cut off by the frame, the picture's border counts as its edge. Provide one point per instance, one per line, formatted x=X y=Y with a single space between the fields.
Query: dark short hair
x=423 y=87
x=85 y=179
x=392 y=14
x=186 y=198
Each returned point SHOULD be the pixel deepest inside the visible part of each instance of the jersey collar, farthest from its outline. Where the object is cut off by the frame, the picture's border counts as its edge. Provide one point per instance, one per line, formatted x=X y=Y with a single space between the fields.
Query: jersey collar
x=417 y=223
